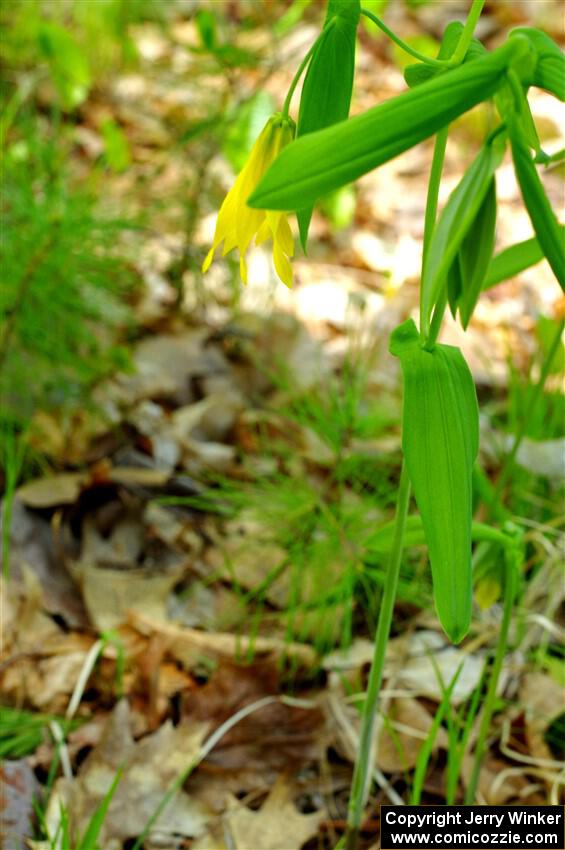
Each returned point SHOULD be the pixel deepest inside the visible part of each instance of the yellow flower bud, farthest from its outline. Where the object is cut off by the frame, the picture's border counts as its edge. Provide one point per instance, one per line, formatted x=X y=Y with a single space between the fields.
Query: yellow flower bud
x=237 y=223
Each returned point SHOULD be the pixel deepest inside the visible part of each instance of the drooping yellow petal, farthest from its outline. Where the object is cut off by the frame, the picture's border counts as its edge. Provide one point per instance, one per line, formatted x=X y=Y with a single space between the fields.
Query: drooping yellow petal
x=229 y=243
x=243 y=268
x=237 y=223
x=263 y=233
x=282 y=265
x=284 y=236
x=208 y=261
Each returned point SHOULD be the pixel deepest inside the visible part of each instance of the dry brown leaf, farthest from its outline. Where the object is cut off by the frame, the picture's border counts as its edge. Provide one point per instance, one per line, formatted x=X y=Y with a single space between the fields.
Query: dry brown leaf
x=46 y=682
x=19 y=787
x=247 y=556
x=63 y=489
x=189 y=646
x=497 y=785
x=136 y=476
x=150 y=766
x=33 y=551
x=278 y=825
x=110 y=595
x=163 y=366
x=109 y=575
x=24 y=625
x=398 y=750
x=275 y=739
x=419 y=660
x=543 y=700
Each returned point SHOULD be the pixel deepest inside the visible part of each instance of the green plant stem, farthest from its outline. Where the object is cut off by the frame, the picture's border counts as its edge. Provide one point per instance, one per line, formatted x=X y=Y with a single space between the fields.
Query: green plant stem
x=12 y=313
x=364 y=762
x=402 y=44
x=490 y=700
x=14 y=450
x=437 y=319
x=431 y=211
x=467 y=34
x=534 y=398
x=301 y=69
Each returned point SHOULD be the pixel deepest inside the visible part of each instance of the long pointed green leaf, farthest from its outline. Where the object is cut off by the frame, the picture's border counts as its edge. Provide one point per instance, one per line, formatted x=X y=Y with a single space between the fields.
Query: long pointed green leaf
x=456 y=220
x=546 y=226
x=475 y=254
x=549 y=234
x=327 y=89
x=327 y=159
x=513 y=260
x=440 y=440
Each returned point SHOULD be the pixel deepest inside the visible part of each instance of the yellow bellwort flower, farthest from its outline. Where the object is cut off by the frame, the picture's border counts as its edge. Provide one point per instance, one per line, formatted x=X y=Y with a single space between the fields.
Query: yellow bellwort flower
x=237 y=223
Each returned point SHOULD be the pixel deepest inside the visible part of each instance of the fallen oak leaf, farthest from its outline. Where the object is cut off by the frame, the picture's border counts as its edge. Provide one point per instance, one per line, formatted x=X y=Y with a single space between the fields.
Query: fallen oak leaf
x=278 y=825
x=149 y=769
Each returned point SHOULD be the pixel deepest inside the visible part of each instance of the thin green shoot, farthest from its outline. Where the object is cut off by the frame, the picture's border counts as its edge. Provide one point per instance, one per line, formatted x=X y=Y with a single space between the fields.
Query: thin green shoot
x=13 y=456
x=407 y=48
x=458 y=734
x=512 y=565
x=533 y=402
x=363 y=764
x=92 y=831
x=427 y=747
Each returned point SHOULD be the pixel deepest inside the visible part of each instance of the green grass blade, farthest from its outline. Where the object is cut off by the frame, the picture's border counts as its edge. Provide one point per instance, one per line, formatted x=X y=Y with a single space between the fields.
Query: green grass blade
x=90 y=836
x=426 y=749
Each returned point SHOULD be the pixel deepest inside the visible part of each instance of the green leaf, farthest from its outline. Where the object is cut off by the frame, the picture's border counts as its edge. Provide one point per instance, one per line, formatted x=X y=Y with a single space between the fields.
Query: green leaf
x=546 y=330
x=67 y=64
x=377 y=7
x=327 y=89
x=347 y=10
x=440 y=440
x=546 y=226
x=325 y=160
x=381 y=541
x=339 y=207
x=207 y=29
x=475 y=254
x=549 y=70
x=420 y=72
x=454 y=285
x=291 y=17
x=455 y=222
x=118 y=154
x=514 y=260
x=248 y=122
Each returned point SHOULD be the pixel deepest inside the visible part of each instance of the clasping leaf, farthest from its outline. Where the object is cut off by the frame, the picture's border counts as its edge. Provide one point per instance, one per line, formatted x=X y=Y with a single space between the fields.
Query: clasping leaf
x=440 y=440
x=549 y=70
